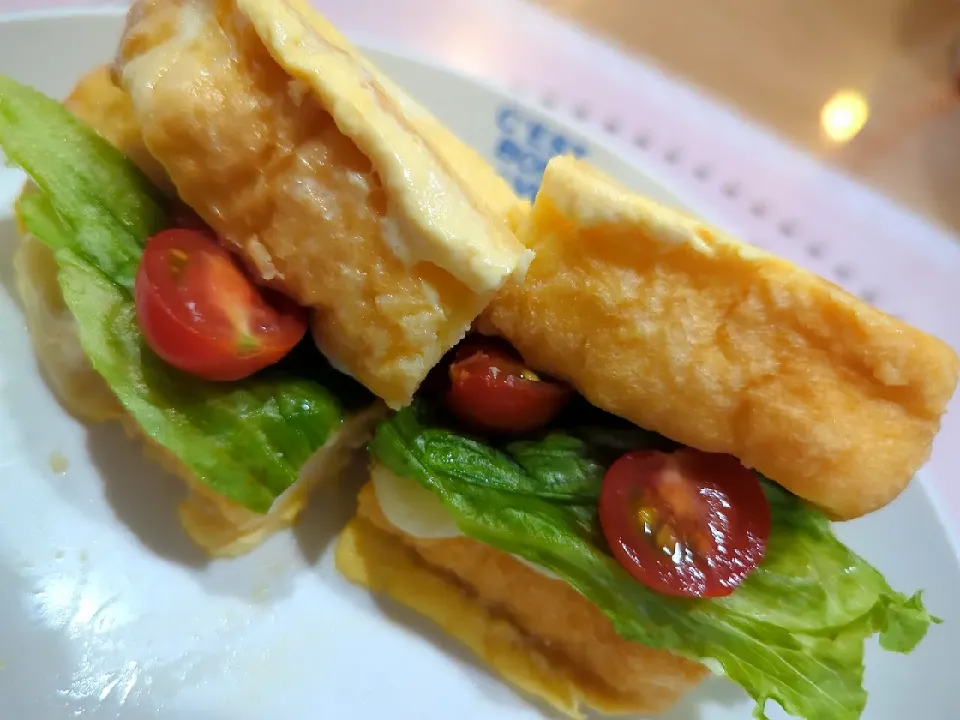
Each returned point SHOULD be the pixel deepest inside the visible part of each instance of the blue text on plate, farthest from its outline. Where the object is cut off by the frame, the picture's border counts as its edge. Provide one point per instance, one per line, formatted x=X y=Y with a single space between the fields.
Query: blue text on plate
x=525 y=143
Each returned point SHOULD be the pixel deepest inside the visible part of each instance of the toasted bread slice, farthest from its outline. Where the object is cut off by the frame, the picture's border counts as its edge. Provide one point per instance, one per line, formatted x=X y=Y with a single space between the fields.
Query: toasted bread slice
x=333 y=186
x=218 y=525
x=718 y=345
x=537 y=632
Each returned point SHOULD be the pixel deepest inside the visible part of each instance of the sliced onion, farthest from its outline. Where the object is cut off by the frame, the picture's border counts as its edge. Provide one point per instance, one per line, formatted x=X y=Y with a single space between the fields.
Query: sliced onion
x=416 y=511
x=536 y=568
x=410 y=507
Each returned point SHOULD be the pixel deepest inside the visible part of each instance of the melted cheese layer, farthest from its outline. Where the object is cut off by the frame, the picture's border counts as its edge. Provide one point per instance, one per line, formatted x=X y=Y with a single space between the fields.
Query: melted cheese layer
x=439 y=219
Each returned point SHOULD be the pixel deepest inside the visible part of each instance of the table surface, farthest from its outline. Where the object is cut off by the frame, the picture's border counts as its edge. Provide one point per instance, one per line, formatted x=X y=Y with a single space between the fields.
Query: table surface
x=781 y=61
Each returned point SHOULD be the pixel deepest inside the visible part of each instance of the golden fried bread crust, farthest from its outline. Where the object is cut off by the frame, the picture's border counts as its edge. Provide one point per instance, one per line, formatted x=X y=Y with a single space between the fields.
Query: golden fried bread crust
x=225 y=529
x=659 y=319
x=98 y=102
x=217 y=524
x=537 y=632
x=285 y=154
x=53 y=331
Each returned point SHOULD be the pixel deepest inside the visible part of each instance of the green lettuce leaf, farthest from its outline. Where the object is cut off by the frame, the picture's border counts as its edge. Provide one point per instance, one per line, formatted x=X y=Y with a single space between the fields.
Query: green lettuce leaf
x=794 y=632
x=108 y=206
x=569 y=466
x=245 y=440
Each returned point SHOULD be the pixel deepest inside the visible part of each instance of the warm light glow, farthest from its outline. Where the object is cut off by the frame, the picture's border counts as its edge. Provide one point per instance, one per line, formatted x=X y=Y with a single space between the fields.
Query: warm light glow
x=844 y=115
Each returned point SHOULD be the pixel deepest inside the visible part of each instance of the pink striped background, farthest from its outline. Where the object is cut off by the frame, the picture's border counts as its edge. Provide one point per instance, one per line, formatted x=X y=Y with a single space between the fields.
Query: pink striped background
x=20 y=5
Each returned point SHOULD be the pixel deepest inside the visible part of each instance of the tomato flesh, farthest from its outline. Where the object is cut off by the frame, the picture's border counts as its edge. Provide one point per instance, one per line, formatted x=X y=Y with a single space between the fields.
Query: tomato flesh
x=491 y=390
x=202 y=314
x=688 y=523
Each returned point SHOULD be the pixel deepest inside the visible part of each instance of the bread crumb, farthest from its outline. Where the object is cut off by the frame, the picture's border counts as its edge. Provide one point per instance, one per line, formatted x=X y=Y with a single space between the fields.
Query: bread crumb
x=58 y=463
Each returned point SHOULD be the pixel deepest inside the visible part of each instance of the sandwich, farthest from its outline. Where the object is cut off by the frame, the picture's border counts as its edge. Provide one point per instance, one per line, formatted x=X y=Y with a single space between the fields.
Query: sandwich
x=243 y=242
x=606 y=441
x=624 y=480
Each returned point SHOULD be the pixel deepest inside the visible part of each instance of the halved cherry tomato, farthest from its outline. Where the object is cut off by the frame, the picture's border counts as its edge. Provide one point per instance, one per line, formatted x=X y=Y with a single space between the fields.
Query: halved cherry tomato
x=203 y=315
x=688 y=523
x=492 y=390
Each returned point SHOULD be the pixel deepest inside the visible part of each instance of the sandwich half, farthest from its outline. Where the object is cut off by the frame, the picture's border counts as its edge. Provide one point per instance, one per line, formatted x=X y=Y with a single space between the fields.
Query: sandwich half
x=326 y=180
x=223 y=253
x=216 y=521
x=630 y=483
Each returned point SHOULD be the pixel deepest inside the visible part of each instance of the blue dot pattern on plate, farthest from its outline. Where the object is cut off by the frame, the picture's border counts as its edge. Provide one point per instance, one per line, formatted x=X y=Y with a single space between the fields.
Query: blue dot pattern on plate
x=525 y=142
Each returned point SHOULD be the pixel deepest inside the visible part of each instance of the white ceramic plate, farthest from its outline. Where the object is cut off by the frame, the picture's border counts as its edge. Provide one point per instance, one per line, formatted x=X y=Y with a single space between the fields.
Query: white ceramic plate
x=108 y=611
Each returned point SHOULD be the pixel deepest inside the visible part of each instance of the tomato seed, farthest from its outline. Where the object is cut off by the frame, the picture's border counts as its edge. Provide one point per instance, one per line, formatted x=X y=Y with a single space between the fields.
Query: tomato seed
x=667 y=539
x=647 y=518
x=177 y=261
